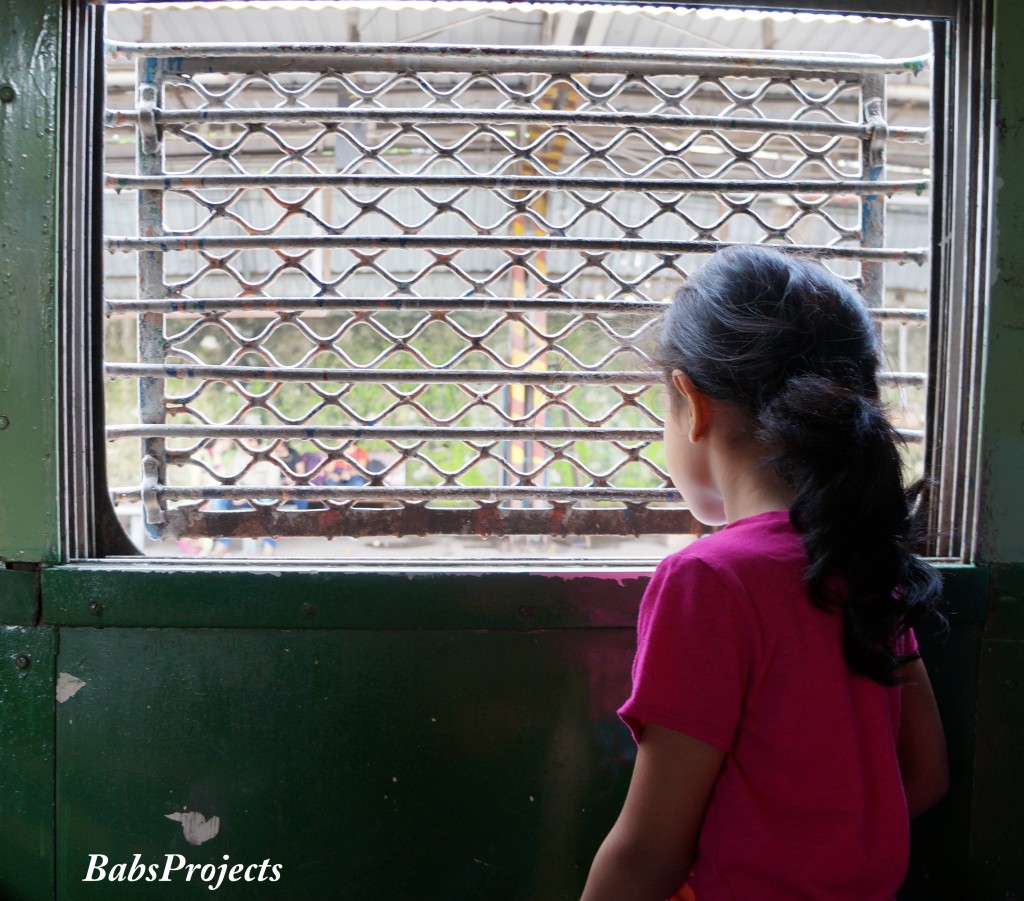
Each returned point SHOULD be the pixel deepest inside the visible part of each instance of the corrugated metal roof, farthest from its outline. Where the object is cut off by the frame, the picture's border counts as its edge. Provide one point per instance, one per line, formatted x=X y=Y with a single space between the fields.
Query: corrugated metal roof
x=514 y=24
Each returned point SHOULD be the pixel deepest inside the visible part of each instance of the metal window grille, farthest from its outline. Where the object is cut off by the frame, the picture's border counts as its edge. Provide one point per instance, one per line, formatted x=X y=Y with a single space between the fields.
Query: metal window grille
x=405 y=289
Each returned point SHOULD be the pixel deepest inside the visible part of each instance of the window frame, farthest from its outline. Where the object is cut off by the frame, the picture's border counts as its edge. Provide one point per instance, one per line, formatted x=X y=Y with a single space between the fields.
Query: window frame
x=90 y=529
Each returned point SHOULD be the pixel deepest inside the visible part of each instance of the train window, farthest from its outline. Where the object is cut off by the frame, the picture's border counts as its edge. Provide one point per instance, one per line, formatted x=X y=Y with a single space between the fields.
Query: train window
x=397 y=289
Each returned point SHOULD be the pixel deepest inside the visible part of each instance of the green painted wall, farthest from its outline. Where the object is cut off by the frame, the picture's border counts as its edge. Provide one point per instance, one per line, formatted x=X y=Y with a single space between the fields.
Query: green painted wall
x=1001 y=536
x=996 y=848
x=374 y=756
x=368 y=765
x=29 y=40
x=27 y=661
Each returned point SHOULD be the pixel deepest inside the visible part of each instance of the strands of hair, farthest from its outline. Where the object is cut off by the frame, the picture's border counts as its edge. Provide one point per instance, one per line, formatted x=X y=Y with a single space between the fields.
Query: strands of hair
x=793 y=345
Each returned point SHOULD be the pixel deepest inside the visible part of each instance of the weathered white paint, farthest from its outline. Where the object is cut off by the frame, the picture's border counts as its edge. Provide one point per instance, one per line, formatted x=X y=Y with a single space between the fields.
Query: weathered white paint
x=196 y=827
x=68 y=686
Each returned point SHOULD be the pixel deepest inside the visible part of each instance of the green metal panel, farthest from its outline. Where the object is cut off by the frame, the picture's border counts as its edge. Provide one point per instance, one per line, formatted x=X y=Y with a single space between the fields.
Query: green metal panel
x=29 y=40
x=368 y=765
x=1006 y=617
x=939 y=861
x=294 y=736
x=19 y=596
x=1001 y=537
x=147 y=595
x=997 y=852
x=26 y=763
x=939 y=868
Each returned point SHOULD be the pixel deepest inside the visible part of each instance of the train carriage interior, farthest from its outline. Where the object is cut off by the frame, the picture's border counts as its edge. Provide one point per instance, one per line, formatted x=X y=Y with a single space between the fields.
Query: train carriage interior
x=331 y=459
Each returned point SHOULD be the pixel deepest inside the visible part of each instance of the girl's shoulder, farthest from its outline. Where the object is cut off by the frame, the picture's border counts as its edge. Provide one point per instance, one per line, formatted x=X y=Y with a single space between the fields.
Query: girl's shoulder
x=749 y=541
x=750 y=558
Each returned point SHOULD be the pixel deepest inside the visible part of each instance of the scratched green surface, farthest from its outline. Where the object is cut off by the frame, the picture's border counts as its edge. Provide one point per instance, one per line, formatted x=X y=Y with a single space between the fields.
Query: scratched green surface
x=1001 y=537
x=392 y=762
x=369 y=765
x=997 y=818
x=26 y=763
x=18 y=597
x=28 y=215
x=146 y=594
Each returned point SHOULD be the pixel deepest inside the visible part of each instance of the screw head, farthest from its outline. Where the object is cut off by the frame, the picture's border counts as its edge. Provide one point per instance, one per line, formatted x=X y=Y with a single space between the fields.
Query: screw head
x=7 y=93
x=96 y=608
x=4 y=422
x=22 y=661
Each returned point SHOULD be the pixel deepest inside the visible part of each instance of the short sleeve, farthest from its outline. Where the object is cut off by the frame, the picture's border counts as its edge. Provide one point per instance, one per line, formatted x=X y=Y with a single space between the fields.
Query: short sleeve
x=906 y=644
x=694 y=654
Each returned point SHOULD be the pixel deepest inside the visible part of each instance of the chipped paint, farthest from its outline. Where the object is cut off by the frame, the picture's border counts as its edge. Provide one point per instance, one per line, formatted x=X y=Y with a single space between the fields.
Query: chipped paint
x=68 y=686
x=619 y=578
x=196 y=827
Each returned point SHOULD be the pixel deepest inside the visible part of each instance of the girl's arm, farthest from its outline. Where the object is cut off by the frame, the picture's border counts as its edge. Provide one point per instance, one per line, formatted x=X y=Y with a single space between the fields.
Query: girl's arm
x=651 y=847
x=922 y=743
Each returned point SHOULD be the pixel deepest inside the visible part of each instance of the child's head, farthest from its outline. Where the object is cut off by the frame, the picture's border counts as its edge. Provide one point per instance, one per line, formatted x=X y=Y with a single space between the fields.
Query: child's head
x=753 y=318
x=791 y=346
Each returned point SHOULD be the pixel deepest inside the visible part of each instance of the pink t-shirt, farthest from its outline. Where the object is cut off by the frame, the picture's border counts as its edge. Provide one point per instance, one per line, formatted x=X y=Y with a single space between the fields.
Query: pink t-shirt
x=809 y=805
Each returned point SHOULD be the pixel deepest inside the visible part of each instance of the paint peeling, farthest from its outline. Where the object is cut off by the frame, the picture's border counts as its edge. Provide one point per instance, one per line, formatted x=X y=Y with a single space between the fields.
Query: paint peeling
x=197 y=828
x=68 y=686
x=619 y=578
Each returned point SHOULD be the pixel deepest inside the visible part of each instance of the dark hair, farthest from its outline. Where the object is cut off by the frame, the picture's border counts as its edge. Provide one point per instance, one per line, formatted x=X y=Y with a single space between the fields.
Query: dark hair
x=793 y=345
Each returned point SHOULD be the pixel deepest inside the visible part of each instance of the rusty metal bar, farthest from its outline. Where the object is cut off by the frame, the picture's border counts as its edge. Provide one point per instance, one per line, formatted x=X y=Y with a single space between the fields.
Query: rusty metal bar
x=388 y=433
x=215 y=305
x=203 y=306
x=388 y=182
x=873 y=167
x=391 y=376
x=563 y=519
x=424 y=493
x=918 y=255
x=342 y=57
x=419 y=376
x=552 y=119
x=377 y=433
x=150 y=279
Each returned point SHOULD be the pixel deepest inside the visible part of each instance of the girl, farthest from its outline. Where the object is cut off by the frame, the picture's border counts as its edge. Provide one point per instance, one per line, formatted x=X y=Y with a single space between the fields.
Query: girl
x=785 y=723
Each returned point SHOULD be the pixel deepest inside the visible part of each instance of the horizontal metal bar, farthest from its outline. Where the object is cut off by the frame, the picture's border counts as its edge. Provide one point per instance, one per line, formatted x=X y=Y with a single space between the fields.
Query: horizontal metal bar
x=378 y=433
x=561 y=520
x=416 y=376
x=390 y=376
x=934 y=9
x=369 y=57
x=898 y=314
x=391 y=304
x=167 y=244
x=394 y=493
x=389 y=433
x=513 y=116
x=513 y=183
x=911 y=436
x=203 y=306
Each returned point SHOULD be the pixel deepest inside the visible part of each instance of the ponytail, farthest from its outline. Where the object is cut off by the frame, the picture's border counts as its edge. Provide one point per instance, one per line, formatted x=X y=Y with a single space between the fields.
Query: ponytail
x=793 y=346
x=838 y=451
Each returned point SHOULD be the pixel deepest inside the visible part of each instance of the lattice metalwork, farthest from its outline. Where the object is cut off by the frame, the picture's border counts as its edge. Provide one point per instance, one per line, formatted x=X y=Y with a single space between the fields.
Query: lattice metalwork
x=407 y=288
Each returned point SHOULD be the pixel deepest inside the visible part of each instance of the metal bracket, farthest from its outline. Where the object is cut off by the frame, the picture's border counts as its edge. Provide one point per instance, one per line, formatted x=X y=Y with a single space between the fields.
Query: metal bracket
x=148 y=130
x=155 y=514
x=878 y=130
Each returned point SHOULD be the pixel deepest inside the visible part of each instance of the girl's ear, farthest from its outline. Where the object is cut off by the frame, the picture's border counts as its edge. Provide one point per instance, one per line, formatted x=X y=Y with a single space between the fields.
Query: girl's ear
x=699 y=405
